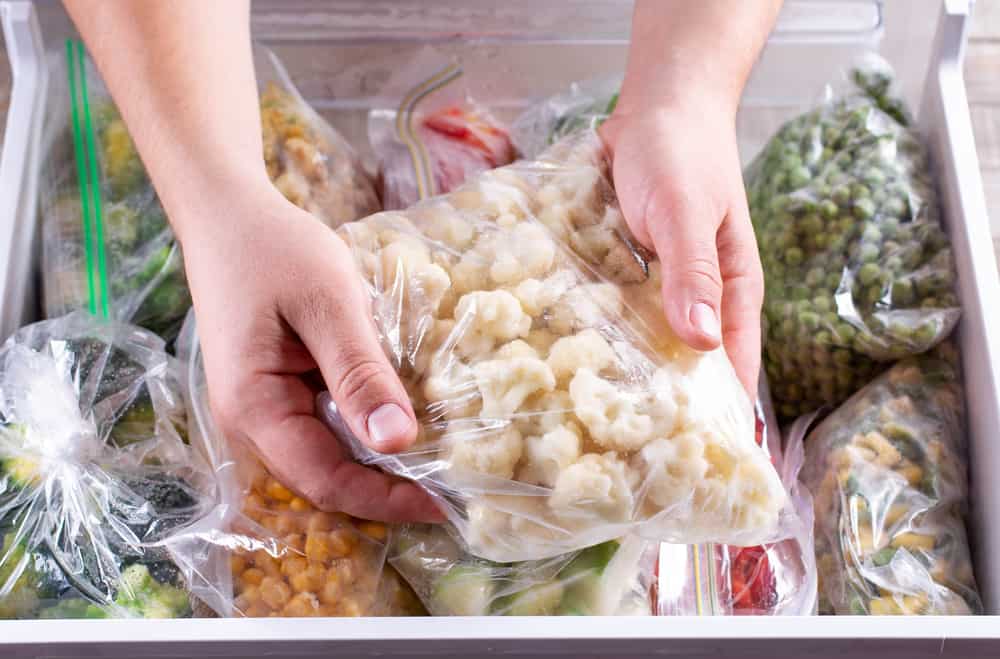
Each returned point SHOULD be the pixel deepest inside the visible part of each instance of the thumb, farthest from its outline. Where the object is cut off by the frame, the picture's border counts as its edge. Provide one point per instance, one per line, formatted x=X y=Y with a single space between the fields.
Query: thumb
x=334 y=322
x=684 y=238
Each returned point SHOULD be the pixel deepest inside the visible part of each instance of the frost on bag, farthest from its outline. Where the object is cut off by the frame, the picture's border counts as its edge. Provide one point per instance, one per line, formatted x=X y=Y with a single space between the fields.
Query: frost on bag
x=107 y=246
x=263 y=551
x=776 y=578
x=557 y=409
x=585 y=105
x=858 y=270
x=889 y=473
x=612 y=578
x=95 y=475
x=436 y=137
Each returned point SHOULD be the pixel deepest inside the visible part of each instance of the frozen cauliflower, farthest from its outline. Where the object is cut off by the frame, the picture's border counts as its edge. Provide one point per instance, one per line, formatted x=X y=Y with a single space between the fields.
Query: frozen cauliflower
x=558 y=410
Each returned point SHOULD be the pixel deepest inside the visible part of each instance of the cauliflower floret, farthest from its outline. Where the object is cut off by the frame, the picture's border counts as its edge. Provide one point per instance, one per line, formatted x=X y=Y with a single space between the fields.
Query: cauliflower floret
x=447 y=226
x=489 y=317
x=537 y=295
x=588 y=305
x=671 y=468
x=612 y=416
x=594 y=484
x=504 y=384
x=485 y=451
x=516 y=348
x=526 y=251
x=588 y=349
x=546 y=456
x=451 y=390
x=544 y=413
x=404 y=256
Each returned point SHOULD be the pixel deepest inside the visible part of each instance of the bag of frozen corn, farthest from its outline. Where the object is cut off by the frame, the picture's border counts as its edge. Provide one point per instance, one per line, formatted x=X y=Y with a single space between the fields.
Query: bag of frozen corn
x=558 y=410
x=888 y=471
x=106 y=243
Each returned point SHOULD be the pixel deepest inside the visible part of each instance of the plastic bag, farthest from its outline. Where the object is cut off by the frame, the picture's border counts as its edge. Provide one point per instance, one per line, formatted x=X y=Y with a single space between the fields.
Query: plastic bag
x=612 y=578
x=889 y=473
x=436 y=138
x=557 y=408
x=585 y=105
x=857 y=268
x=263 y=551
x=772 y=579
x=95 y=475
x=107 y=246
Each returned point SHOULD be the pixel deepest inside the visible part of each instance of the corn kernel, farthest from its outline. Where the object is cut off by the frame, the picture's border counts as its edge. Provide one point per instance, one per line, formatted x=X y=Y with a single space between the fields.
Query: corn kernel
x=285 y=524
x=275 y=592
x=299 y=505
x=895 y=513
x=277 y=491
x=914 y=605
x=269 y=564
x=309 y=580
x=252 y=576
x=318 y=547
x=330 y=593
x=237 y=563
x=293 y=565
x=912 y=473
x=255 y=502
x=342 y=542
x=912 y=540
x=270 y=522
x=257 y=610
x=303 y=605
x=295 y=542
x=345 y=570
x=350 y=608
x=375 y=530
x=320 y=522
x=250 y=594
x=883 y=606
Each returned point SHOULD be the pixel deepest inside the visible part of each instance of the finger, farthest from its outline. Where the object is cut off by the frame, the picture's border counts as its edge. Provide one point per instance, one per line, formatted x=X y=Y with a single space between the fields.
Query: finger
x=302 y=453
x=683 y=234
x=333 y=320
x=742 y=297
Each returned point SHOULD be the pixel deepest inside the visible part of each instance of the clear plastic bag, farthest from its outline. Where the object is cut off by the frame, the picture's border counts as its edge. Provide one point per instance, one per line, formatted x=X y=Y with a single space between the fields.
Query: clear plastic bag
x=858 y=270
x=107 y=246
x=557 y=408
x=263 y=551
x=613 y=578
x=888 y=470
x=771 y=579
x=437 y=137
x=585 y=105
x=95 y=473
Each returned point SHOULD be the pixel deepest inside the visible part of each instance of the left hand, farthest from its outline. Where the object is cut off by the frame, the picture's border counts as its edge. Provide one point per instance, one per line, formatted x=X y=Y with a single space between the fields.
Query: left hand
x=677 y=173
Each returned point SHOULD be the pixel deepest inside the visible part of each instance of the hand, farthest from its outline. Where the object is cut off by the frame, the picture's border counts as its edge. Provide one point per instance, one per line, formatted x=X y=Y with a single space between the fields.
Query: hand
x=277 y=298
x=677 y=173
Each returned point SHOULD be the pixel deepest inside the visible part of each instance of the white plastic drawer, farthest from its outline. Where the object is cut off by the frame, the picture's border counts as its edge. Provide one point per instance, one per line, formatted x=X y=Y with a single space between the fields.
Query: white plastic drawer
x=337 y=52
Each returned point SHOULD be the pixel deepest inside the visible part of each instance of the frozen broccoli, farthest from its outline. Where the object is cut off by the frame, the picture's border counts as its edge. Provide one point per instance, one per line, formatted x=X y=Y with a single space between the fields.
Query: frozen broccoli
x=144 y=596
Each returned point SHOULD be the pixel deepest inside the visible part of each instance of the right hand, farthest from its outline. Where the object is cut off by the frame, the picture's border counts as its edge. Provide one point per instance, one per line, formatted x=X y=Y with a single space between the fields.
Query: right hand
x=277 y=298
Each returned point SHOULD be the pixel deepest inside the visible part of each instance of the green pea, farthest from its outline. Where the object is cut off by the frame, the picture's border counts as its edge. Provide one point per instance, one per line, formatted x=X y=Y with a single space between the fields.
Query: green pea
x=864 y=208
x=809 y=320
x=845 y=332
x=823 y=303
x=842 y=357
x=815 y=277
x=829 y=209
x=823 y=338
x=833 y=281
x=794 y=256
x=871 y=234
x=868 y=273
x=896 y=206
x=894 y=264
x=799 y=177
x=859 y=191
x=841 y=195
x=926 y=334
x=868 y=252
x=811 y=224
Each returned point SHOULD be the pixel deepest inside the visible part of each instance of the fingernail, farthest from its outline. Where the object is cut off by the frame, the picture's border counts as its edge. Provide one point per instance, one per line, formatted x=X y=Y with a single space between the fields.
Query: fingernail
x=705 y=320
x=388 y=424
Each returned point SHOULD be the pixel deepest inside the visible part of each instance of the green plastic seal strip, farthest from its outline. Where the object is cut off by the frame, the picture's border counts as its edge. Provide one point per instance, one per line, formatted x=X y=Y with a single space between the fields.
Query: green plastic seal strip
x=88 y=175
x=407 y=133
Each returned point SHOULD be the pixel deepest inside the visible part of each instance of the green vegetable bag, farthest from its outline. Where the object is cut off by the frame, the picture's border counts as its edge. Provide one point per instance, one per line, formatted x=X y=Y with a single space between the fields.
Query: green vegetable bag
x=95 y=473
x=612 y=578
x=107 y=246
x=858 y=271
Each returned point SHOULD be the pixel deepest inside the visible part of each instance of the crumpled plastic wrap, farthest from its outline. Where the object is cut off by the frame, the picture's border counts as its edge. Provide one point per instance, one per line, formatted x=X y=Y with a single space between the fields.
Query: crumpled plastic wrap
x=771 y=579
x=96 y=477
x=612 y=578
x=858 y=270
x=584 y=105
x=263 y=551
x=107 y=246
x=888 y=470
x=557 y=408
x=436 y=137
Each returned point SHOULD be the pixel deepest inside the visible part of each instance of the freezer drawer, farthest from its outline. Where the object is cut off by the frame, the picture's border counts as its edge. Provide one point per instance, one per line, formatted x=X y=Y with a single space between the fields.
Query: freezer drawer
x=337 y=53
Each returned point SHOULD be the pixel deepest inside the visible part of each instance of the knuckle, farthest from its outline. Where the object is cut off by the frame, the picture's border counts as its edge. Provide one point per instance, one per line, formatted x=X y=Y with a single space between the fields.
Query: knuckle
x=701 y=273
x=361 y=381
x=322 y=496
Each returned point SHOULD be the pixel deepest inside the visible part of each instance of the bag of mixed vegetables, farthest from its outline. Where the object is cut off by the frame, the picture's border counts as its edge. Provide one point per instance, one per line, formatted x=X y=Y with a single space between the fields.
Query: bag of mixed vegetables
x=585 y=105
x=858 y=270
x=613 y=578
x=264 y=551
x=107 y=246
x=436 y=137
x=557 y=409
x=96 y=477
x=889 y=473
x=772 y=579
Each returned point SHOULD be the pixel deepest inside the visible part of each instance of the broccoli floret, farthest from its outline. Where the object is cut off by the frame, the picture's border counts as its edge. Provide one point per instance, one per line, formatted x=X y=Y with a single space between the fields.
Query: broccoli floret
x=144 y=596
x=27 y=578
x=73 y=608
